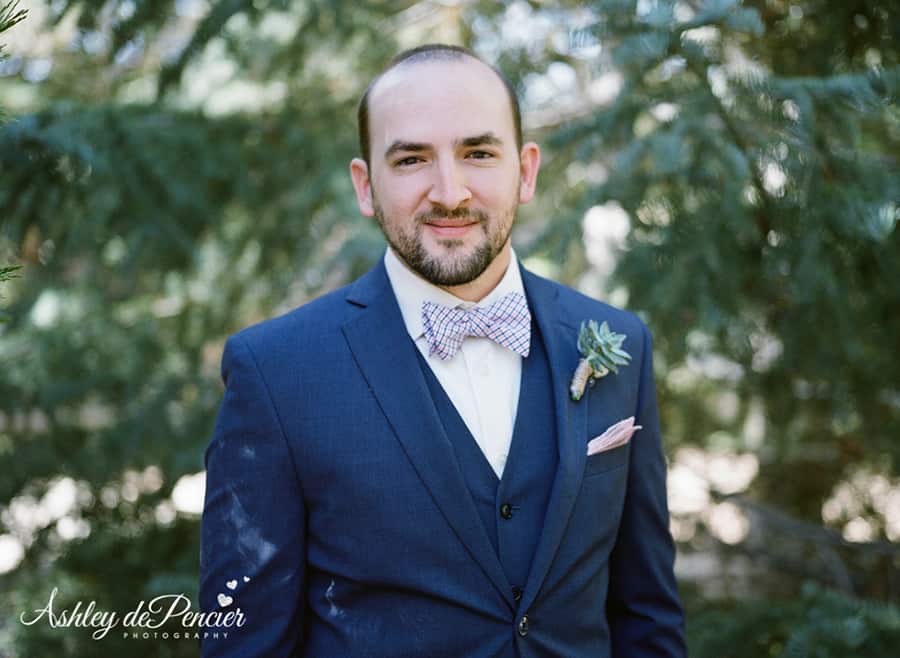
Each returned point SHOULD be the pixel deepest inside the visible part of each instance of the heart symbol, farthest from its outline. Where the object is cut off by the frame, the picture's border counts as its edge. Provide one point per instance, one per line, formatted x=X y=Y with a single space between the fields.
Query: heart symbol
x=225 y=600
x=246 y=579
x=231 y=584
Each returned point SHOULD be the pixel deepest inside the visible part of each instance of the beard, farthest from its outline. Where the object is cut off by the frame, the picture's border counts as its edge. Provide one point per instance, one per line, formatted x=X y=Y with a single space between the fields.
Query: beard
x=456 y=267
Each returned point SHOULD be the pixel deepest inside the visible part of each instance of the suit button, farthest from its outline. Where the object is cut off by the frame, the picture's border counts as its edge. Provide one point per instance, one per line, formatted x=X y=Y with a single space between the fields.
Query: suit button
x=517 y=592
x=506 y=511
x=523 y=626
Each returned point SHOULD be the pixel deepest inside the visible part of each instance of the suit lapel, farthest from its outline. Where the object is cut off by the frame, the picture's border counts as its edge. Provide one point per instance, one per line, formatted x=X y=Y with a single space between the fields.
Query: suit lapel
x=386 y=356
x=571 y=424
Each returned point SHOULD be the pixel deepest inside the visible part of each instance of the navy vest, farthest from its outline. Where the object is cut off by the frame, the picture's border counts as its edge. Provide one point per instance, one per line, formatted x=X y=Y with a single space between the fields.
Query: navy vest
x=512 y=509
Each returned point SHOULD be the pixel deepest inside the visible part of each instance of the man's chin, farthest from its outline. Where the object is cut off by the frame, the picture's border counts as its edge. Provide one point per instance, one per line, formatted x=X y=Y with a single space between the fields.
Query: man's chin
x=449 y=250
x=462 y=271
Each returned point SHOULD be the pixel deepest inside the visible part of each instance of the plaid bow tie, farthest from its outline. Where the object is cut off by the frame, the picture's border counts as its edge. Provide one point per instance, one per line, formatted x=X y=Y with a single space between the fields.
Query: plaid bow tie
x=507 y=322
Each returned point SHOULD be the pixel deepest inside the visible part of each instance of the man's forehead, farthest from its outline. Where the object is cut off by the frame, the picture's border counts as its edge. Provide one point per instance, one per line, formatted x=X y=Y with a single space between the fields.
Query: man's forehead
x=406 y=97
x=437 y=67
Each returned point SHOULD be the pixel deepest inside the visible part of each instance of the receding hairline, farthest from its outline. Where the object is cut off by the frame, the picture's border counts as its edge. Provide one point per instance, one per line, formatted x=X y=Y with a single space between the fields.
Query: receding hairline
x=438 y=57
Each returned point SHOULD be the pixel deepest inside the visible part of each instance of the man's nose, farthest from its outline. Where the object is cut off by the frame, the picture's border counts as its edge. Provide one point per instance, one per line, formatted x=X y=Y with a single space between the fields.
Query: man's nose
x=448 y=188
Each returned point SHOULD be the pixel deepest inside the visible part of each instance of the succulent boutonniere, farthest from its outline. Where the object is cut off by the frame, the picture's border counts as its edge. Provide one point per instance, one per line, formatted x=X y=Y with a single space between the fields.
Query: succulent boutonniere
x=601 y=351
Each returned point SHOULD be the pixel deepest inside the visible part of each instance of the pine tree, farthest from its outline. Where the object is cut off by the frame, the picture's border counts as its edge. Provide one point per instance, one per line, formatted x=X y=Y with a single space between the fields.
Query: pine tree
x=762 y=193
x=10 y=14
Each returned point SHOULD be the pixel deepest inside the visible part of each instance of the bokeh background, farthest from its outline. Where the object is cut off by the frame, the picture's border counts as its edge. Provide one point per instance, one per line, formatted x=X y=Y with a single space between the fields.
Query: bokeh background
x=174 y=170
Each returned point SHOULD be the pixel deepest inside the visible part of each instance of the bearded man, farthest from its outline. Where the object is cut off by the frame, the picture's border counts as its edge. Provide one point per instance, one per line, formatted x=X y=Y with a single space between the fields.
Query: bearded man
x=405 y=467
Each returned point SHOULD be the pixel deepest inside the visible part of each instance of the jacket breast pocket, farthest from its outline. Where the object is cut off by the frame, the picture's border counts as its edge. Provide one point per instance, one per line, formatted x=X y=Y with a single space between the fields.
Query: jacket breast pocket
x=607 y=460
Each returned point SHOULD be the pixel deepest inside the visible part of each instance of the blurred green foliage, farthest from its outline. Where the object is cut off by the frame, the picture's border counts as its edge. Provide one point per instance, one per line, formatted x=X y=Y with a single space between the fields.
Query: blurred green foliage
x=181 y=172
x=818 y=623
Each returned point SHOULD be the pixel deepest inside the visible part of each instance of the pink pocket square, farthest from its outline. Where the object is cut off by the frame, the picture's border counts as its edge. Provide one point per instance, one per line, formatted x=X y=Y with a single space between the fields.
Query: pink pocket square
x=615 y=436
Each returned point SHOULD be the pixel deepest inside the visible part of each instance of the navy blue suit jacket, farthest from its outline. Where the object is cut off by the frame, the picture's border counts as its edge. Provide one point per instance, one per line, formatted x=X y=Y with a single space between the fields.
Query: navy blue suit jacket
x=338 y=521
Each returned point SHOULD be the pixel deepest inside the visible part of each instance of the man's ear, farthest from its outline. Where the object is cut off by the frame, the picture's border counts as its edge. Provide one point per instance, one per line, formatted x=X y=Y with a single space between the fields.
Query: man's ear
x=359 y=173
x=529 y=163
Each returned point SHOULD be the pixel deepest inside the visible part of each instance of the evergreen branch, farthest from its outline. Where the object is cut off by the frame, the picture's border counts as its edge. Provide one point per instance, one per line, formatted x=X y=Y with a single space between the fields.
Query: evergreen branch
x=742 y=146
x=211 y=25
x=882 y=84
x=10 y=14
x=7 y=273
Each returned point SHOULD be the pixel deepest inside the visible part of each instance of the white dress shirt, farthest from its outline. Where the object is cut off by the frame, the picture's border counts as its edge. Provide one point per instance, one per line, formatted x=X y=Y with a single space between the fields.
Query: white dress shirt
x=482 y=379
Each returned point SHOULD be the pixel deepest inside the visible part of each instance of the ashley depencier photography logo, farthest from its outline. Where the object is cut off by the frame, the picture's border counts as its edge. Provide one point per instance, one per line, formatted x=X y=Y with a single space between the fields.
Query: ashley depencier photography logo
x=142 y=622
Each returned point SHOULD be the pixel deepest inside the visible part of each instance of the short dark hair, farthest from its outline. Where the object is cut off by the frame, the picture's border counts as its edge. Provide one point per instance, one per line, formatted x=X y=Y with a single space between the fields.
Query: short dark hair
x=425 y=53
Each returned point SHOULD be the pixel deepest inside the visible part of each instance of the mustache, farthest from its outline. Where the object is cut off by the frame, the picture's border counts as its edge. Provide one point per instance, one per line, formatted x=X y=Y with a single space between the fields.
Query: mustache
x=458 y=213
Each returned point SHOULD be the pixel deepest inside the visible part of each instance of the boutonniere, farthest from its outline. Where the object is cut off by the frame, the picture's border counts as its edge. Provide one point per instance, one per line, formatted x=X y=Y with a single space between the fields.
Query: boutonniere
x=601 y=351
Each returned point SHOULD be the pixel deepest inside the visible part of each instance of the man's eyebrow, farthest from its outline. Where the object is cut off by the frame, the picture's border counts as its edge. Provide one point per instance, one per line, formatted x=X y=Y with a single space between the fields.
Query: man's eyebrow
x=484 y=139
x=412 y=147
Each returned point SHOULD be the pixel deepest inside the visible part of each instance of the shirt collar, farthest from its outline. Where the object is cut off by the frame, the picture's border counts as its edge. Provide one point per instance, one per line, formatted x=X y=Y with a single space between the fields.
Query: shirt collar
x=412 y=290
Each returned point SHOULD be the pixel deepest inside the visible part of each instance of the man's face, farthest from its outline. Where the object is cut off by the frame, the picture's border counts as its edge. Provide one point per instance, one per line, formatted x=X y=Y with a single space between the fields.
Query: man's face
x=445 y=177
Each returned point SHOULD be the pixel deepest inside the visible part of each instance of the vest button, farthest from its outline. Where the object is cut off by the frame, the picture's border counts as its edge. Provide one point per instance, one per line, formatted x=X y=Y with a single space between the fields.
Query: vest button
x=523 y=626
x=506 y=511
x=517 y=592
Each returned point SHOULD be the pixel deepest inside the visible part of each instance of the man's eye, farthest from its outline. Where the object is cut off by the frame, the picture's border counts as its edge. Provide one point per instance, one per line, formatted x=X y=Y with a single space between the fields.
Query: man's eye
x=406 y=162
x=480 y=155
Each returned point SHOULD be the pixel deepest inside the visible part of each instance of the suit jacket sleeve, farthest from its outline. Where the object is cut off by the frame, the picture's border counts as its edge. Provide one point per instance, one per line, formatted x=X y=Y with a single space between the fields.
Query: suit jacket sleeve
x=253 y=520
x=643 y=608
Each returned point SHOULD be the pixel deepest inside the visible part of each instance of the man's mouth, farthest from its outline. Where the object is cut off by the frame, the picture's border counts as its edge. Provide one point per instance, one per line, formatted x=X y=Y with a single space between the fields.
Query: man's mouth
x=451 y=228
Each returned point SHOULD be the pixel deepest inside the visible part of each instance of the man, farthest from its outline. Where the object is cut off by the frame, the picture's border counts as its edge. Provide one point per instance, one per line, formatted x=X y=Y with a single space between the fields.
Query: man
x=381 y=484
